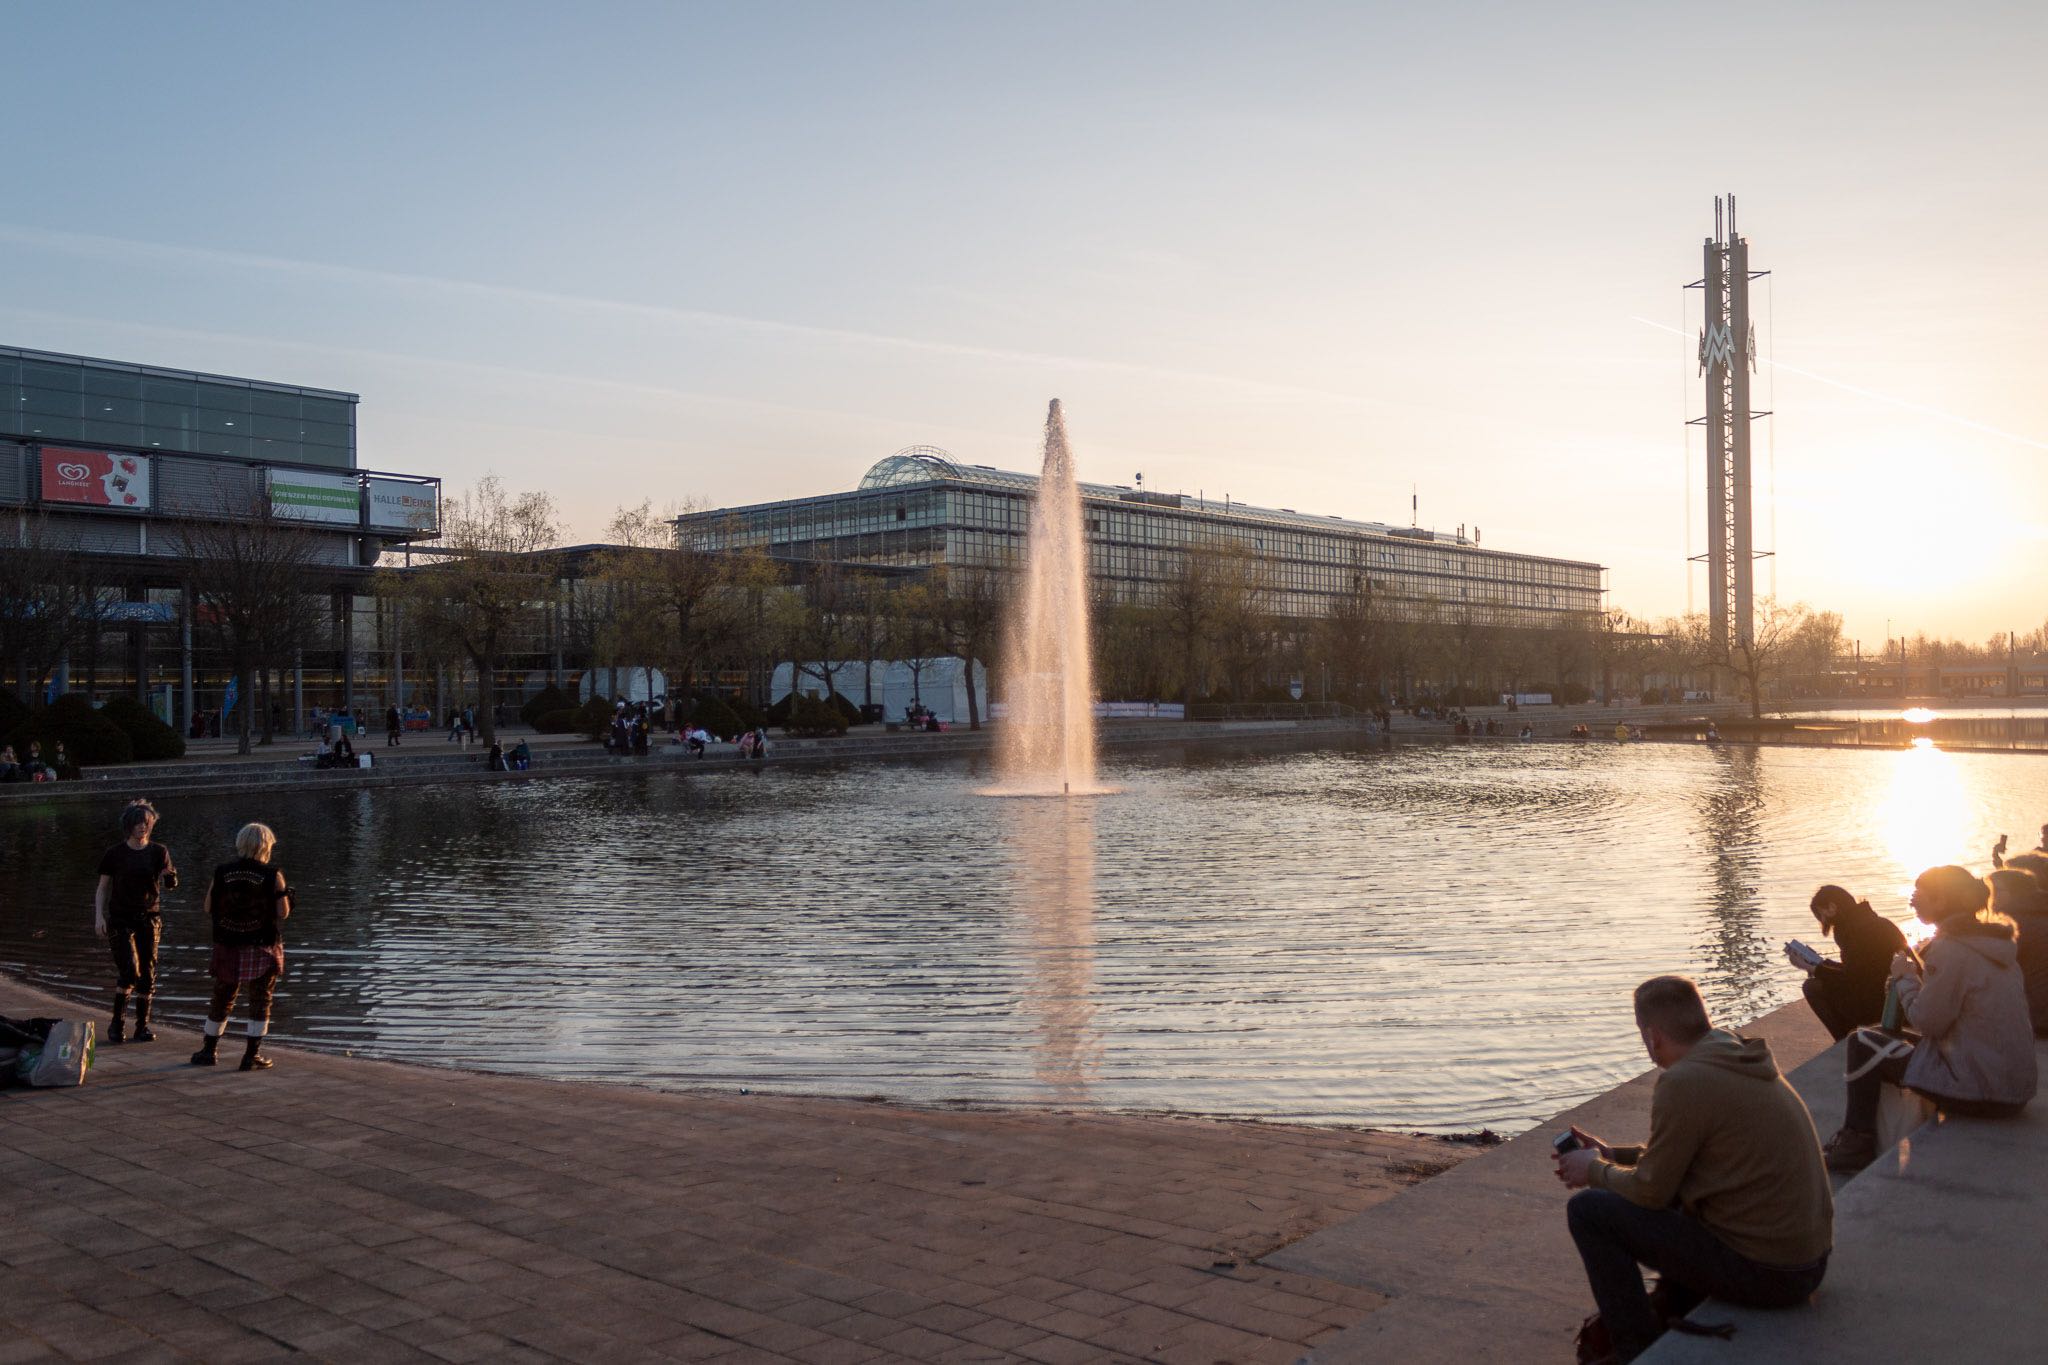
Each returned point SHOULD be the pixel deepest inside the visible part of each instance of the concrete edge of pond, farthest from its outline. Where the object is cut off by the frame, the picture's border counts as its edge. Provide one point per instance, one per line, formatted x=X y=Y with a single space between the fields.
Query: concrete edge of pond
x=195 y=779
x=1477 y=1264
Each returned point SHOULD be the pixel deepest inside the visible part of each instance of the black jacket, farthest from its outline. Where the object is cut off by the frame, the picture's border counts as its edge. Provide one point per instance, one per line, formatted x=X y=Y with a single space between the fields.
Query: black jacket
x=1869 y=941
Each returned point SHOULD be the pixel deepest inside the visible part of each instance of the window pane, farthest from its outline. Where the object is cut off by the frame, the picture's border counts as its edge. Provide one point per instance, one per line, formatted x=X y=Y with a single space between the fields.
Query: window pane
x=221 y=397
x=274 y=404
x=47 y=376
x=328 y=410
x=113 y=383
x=173 y=391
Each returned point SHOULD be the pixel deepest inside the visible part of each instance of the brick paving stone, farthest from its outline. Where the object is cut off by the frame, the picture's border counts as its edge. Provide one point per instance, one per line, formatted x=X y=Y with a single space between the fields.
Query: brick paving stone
x=353 y=1210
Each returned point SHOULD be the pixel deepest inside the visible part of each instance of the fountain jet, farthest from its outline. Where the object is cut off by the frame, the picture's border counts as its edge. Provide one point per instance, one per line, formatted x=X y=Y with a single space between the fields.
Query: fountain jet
x=1048 y=732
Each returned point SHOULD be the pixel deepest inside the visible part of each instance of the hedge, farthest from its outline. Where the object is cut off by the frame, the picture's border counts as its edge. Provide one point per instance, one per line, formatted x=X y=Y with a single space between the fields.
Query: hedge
x=149 y=738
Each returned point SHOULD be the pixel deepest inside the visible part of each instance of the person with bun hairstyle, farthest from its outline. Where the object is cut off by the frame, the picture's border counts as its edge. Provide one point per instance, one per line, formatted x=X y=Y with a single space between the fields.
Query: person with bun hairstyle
x=248 y=903
x=1850 y=993
x=2019 y=891
x=1969 y=1044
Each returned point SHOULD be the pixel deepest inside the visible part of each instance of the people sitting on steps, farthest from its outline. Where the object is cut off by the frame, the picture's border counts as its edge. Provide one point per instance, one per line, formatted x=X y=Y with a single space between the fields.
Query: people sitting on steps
x=1727 y=1199
x=1850 y=993
x=2019 y=891
x=1963 y=1039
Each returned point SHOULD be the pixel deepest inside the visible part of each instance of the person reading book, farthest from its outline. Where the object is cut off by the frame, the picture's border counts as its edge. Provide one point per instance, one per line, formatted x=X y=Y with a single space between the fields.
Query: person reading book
x=1848 y=994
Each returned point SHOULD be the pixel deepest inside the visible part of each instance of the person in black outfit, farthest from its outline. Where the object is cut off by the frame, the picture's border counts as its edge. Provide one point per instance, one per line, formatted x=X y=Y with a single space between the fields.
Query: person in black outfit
x=1849 y=994
x=248 y=903
x=393 y=724
x=126 y=913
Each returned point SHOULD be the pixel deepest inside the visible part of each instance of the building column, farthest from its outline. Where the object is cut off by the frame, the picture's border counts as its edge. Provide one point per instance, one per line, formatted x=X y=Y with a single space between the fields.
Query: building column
x=298 y=692
x=138 y=640
x=398 y=654
x=345 y=622
x=185 y=661
x=555 y=635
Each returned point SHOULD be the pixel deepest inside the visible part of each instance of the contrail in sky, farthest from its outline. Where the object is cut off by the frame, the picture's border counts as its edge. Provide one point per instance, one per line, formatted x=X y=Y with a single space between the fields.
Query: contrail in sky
x=91 y=244
x=1906 y=403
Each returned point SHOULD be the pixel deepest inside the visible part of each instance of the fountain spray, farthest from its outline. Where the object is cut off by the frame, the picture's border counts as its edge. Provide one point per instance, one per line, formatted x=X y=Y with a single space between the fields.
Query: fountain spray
x=1050 y=679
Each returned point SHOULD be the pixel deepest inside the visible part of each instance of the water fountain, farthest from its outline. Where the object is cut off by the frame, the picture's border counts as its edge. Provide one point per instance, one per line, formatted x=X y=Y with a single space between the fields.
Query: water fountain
x=1047 y=744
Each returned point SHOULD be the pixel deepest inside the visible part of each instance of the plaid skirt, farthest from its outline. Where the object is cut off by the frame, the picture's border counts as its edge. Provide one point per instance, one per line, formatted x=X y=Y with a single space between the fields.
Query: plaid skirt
x=234 y=964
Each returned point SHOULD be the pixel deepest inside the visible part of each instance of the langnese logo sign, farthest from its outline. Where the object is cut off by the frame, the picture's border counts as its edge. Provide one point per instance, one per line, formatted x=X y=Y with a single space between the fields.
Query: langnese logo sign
x=96 y=478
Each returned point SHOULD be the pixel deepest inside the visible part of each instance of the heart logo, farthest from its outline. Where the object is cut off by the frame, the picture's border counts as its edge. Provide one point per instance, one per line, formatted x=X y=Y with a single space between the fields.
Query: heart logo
x=74 y=473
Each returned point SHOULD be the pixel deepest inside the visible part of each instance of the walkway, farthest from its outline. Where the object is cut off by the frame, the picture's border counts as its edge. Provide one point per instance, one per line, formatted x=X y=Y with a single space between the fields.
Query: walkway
x=359 y=1211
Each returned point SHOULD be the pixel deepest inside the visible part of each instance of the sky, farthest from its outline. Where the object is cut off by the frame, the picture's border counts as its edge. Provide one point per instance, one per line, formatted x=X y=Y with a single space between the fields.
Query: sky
x=1319 y=256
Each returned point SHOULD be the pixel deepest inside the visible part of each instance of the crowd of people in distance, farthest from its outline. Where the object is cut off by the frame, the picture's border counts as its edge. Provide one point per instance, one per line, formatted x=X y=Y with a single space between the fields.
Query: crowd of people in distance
x=246 y=903
x=1730 y=1196
x=34 y=768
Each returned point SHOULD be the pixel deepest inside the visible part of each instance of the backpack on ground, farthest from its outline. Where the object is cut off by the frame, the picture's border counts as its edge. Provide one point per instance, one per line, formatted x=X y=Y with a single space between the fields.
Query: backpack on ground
x=61 y=1058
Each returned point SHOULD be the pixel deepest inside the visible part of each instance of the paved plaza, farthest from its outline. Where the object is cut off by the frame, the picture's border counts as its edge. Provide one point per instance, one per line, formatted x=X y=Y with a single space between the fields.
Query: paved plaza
x=348 y=1210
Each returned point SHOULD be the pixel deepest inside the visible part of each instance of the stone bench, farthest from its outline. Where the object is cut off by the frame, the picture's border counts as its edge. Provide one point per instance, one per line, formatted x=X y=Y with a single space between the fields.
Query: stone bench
x=1939 y=1252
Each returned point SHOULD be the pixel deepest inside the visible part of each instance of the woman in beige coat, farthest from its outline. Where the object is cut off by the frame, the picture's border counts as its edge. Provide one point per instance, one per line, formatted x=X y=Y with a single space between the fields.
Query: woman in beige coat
x=1969 y=1043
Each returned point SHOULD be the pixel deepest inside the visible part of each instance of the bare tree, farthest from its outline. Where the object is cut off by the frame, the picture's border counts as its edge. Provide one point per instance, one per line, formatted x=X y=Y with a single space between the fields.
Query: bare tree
x=973 y=603
x=491 y=592
x=43 y=595
x=251 y=572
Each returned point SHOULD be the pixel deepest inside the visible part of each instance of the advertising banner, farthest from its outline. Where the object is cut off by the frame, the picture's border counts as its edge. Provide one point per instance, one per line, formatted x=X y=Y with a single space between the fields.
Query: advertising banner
x=97 y=478
x=329 y=499
x=396 y=505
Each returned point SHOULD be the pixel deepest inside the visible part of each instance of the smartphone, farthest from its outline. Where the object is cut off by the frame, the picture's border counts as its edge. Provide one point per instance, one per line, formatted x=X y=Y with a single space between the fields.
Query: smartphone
x=1567 y=1141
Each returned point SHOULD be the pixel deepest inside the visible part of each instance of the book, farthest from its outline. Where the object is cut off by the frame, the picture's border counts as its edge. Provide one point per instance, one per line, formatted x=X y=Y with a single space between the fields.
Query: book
x=1799 y=955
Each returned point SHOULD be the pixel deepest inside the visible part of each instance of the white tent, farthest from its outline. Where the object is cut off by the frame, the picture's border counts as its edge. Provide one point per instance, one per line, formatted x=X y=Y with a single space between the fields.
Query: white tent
x=941 y=684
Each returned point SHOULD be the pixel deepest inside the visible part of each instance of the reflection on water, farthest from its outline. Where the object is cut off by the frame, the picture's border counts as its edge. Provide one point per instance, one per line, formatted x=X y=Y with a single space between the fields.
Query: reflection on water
x=1435 y=937
x=1741 y=962
x=1052 y=848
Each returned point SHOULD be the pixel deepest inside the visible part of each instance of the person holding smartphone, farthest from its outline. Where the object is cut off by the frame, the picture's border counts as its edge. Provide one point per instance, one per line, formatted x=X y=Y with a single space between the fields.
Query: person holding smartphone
x=1728 y=1199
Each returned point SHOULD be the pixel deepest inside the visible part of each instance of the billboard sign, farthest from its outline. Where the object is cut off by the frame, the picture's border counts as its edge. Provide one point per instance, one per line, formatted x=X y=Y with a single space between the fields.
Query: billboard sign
x=400 y=505
x=96 y=478
x=329 y=499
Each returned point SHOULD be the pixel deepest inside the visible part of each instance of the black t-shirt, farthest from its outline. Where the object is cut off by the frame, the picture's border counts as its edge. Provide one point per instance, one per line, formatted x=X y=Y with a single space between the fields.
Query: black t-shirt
x=138 y=875
x=245 y=900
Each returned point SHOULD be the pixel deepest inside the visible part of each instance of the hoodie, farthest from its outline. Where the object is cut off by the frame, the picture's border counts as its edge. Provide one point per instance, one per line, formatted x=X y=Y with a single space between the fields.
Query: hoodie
x=1731 y=1142
x=1970 y=1010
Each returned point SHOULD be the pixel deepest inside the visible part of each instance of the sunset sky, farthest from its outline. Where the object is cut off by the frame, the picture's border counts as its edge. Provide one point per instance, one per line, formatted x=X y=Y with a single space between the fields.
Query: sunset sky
x=1307 y=255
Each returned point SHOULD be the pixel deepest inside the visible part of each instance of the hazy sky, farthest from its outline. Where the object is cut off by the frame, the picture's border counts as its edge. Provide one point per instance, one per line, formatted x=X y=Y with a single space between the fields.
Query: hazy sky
x=1307 y=255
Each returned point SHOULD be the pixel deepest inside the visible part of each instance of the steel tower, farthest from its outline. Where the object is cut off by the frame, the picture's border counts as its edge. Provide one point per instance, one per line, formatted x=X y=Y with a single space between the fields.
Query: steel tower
x=1727 y=357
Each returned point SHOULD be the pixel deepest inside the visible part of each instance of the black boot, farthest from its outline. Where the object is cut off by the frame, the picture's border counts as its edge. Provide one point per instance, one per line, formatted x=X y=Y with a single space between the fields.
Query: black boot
x=143 y=1032
x=252 y=1057
x=208 y=1046
x=117 y=1032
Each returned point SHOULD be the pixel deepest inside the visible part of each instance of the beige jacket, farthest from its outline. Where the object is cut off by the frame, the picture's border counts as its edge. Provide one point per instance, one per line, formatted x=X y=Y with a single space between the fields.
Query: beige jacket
x=1732 y=1144
x=1970 y=1010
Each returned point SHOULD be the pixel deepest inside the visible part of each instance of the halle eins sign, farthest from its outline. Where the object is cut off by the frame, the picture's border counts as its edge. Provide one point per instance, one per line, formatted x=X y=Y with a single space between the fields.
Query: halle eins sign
x=97 y=478
x=396 y=505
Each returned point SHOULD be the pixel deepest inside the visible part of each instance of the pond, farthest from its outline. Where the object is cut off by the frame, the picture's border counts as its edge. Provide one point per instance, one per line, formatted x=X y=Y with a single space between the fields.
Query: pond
x=1440 y=937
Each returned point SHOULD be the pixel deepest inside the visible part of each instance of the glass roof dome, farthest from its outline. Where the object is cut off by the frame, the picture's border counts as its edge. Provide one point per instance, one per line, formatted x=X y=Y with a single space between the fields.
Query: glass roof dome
x=912 y=464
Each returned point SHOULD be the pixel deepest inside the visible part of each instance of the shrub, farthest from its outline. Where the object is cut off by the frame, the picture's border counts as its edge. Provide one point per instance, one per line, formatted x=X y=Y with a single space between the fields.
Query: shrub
x=594 y=717
x=848 y=712
x=558 y=722
x=778 y=714
x=149 y=738
x=89 y=738
x=750 y=715
x=13 y=715
x=1652 y=696
x=714 y=715
x=545 y=702
x=810 y=716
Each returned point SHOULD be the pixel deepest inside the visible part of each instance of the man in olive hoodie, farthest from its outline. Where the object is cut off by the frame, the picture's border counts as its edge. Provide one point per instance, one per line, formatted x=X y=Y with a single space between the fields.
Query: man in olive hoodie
x=1727 y=1199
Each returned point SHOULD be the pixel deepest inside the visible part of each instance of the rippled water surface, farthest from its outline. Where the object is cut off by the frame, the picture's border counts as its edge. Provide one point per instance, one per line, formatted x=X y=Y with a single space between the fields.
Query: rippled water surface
x=1433 y=938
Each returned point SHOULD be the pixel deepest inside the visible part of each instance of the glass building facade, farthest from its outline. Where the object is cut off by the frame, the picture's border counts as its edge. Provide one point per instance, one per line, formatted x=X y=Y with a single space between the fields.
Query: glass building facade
x=922 y=508
x=79 y=400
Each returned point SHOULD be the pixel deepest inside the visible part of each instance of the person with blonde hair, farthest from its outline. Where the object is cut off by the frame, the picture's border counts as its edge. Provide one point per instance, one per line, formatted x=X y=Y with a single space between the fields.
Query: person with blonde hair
x=248 y=903
x=1967 y=1043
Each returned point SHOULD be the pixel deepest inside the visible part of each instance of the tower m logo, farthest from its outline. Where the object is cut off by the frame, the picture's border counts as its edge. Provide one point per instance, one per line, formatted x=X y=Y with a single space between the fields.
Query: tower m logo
x=1717 y=348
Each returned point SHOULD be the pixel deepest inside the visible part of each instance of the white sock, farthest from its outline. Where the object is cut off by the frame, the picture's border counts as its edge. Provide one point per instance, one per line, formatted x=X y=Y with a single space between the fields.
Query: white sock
x=214 y=1026
x=256 y=1028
